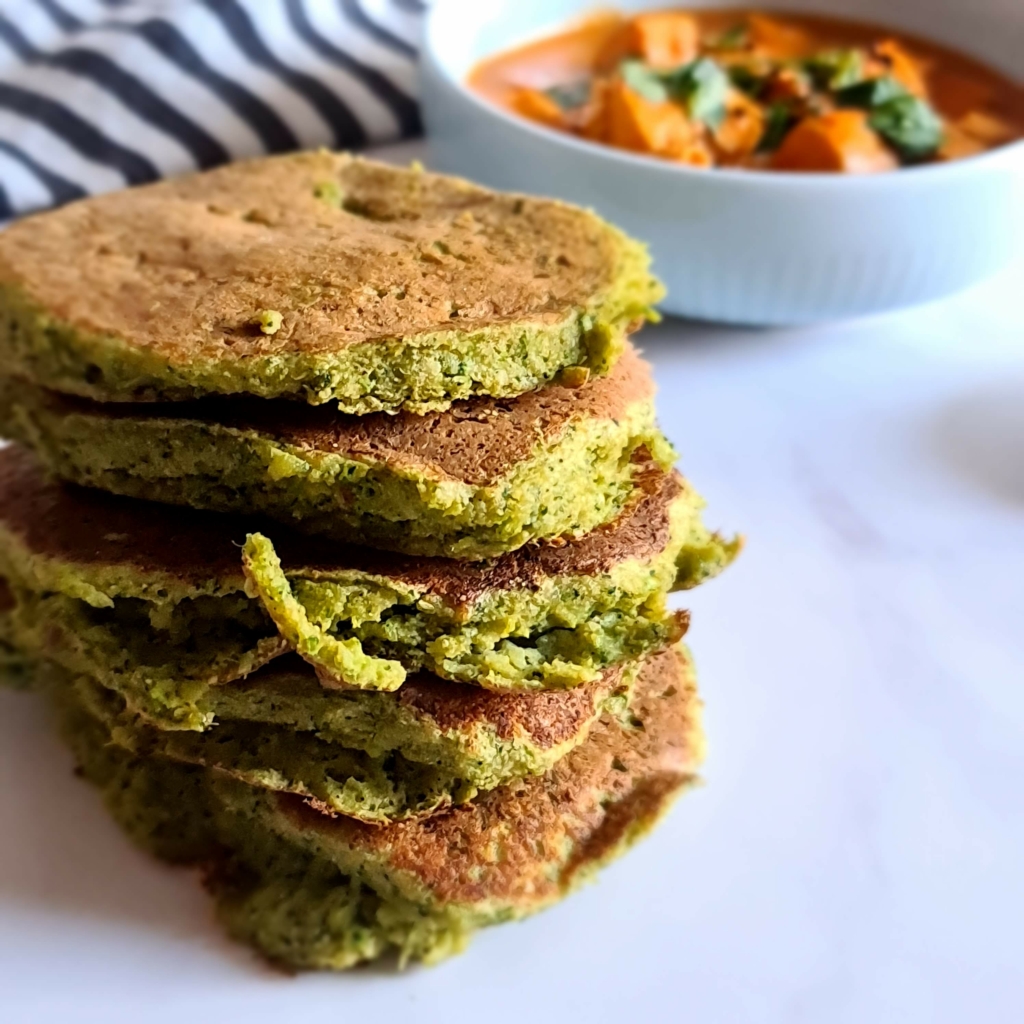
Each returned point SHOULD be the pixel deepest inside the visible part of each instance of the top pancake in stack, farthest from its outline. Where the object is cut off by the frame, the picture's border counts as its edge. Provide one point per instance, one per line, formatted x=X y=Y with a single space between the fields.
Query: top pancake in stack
x=316 y=276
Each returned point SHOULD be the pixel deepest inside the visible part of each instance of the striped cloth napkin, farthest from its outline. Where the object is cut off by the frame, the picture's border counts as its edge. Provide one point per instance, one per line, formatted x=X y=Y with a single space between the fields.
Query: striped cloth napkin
x=99 y=94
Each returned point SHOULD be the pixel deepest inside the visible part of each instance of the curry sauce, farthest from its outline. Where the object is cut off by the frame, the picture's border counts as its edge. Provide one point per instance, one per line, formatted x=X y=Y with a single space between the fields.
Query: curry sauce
x=740 y=88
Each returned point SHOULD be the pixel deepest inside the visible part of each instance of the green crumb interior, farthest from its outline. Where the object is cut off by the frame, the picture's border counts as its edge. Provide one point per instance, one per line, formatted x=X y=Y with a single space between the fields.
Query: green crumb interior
x=168 y=647
x=298 y=909
x=161 y=642
x=560 y=633
x=420 y=373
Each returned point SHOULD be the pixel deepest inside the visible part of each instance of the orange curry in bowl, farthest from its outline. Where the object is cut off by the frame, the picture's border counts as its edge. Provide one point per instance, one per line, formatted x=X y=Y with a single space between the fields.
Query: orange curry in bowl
x=737 y=88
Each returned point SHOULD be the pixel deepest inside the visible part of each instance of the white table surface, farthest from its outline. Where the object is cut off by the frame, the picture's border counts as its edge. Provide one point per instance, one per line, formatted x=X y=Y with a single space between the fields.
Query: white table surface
x=857 y=853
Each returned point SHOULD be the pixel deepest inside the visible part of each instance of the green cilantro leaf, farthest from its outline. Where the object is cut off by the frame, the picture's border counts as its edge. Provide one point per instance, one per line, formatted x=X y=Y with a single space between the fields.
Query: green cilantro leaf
x=746 y=79
x=836 y=69
x=777 y=124
x=909 y=125
x=870 y=93
x=570 y=95
x=643 y=80
x=702 y=87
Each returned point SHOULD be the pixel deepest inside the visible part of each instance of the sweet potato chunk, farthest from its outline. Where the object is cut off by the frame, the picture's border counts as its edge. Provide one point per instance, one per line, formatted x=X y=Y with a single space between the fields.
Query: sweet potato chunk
x=663 y=39
x=538 y=106
x=785 y=84
x=777 y=39
x=986 y=128
x=974 y=133
x=905 y=69
x=839 y=141
x=957 y=144
x=662 y=129
x=741 y=129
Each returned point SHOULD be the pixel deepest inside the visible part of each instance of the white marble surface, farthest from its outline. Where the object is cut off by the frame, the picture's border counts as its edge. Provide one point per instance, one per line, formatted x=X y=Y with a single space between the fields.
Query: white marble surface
x=857 y=854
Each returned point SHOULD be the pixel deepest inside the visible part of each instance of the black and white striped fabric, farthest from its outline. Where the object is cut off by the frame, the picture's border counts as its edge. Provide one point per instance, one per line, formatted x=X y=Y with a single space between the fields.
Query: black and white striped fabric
x=99 y=94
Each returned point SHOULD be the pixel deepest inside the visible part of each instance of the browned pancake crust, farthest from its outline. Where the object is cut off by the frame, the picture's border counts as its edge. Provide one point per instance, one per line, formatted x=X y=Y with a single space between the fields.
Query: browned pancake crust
x=86 y=527
x=475 y=441
x=180 y=267
x=549 y=718
x=81 y=526
x=500 y=847
x=640 y=532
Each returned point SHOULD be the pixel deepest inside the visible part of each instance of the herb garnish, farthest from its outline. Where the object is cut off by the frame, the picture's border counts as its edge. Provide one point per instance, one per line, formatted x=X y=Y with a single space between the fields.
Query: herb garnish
x=702 y=87
x=571 y=95
x=778 y=121
x=644 y=80
x=870 y=93
x=909 y=125
x=836 y=69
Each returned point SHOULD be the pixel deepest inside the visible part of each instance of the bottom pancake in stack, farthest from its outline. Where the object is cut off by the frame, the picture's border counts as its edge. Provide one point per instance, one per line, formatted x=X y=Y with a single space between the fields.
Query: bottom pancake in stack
x=309 y=890
x=371 y=753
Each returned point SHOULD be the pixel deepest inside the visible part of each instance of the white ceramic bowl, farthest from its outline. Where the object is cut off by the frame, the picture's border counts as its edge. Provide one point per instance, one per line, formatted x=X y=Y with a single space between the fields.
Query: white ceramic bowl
x=744 y=246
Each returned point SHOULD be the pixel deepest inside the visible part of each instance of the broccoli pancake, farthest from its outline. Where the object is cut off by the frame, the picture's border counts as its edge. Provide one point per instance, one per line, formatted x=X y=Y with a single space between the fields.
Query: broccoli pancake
x=310 y=891
x=543 y=617
x=318 y=276
x=475 y=481
x=378 y=757
x=153 y=601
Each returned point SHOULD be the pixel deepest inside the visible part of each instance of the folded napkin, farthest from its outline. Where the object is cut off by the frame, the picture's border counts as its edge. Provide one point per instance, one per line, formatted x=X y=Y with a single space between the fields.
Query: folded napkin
x=99 y=94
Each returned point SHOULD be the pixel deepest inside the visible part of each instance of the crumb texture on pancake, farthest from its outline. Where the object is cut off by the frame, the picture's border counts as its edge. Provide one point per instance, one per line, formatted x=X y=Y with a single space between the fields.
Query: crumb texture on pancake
x=510 y=853
x=392 y=287
x=580 y=607
x=474 y=442
x=90 y=528
x=130 y=595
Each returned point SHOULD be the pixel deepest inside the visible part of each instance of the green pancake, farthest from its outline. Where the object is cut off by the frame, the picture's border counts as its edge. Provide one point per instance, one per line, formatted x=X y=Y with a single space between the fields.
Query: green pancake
x=309 y=891
x=318 y=276
x=153 y=602
x=480 y=479
x=373 y=756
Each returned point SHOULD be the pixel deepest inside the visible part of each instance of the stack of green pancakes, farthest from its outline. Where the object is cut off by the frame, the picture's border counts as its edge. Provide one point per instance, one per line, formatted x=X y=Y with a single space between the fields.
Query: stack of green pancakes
x=339 y=532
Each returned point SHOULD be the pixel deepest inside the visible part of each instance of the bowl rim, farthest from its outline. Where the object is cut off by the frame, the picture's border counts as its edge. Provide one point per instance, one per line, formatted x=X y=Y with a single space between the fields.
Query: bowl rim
x=953 y=169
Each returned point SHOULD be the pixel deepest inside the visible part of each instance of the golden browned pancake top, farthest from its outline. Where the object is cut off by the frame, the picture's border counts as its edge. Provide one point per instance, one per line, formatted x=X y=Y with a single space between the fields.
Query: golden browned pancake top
x=88 y=527
x=548 y=717
x=181 y=267
x=474 y=441
x=503 y=845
